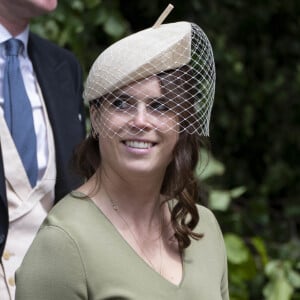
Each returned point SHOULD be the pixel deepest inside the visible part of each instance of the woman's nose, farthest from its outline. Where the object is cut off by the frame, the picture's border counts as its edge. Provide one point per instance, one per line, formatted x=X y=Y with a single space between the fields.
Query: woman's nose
x=140 y=118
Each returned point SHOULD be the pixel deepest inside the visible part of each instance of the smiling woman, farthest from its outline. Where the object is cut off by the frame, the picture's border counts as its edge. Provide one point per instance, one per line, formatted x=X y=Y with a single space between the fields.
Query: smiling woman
x=134 y=230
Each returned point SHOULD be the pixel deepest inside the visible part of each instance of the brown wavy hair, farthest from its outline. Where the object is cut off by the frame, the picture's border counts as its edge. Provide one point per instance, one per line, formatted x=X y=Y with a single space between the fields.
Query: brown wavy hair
x=179 y=181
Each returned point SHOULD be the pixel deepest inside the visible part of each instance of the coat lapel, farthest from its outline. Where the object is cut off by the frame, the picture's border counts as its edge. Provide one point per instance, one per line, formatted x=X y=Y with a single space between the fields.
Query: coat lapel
x=3 y=207
x=61 y=85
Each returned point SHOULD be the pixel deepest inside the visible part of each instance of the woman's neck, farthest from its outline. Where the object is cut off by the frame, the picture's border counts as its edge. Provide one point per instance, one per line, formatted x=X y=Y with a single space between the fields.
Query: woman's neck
x=138 y=200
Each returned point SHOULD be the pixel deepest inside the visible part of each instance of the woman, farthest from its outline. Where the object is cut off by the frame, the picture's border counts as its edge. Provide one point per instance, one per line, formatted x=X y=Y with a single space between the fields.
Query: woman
x=133 y=230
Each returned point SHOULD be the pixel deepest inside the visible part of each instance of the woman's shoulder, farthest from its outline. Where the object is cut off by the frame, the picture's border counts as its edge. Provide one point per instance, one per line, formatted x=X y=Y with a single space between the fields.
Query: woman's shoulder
x=205 y=211
x=73 y=209
x=207 y=218
x=74 y=200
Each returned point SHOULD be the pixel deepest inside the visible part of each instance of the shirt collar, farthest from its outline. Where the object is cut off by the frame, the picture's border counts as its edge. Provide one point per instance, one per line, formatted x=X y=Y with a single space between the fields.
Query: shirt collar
x=23 y=36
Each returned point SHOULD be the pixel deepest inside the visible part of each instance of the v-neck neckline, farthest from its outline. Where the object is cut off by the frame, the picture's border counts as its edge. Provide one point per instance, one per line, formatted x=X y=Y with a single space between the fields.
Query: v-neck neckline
x=132 y=250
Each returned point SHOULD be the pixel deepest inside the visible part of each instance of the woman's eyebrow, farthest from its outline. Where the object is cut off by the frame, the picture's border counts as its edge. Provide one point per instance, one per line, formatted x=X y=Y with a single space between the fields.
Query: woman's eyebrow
x=120 y=95
x=125 y=96
x=151 y=99
x=161 y=99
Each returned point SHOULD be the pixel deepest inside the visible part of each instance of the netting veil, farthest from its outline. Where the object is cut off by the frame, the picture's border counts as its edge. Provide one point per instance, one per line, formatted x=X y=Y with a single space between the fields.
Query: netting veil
x=166 y=74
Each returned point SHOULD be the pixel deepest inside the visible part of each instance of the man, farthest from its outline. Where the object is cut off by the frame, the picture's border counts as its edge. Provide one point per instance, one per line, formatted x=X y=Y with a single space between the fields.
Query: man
x=53 y=84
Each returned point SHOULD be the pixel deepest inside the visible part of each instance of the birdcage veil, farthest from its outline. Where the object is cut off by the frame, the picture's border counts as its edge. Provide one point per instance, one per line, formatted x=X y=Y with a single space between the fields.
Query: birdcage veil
x=179 y=56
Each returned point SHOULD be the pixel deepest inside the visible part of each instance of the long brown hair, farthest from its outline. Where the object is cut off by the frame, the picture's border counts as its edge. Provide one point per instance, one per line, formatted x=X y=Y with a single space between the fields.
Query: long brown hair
x=179 y=181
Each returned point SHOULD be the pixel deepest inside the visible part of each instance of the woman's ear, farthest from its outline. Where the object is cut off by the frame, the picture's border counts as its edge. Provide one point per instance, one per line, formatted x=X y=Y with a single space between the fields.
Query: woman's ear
x=92 y=111
x=93 y=118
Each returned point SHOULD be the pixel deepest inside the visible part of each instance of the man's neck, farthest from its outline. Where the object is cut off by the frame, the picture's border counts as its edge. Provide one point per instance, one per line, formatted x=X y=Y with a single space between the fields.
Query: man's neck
x=14 y=26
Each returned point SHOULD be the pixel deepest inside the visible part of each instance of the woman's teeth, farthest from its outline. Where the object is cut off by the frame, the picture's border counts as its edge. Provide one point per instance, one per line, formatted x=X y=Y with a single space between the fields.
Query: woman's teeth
x=138 y=144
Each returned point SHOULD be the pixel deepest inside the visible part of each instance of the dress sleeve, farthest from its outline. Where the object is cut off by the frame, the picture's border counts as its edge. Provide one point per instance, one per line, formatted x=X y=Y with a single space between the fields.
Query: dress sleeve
x=224 y=280
x=222 y=248
x=52 y=268
x=224 y=283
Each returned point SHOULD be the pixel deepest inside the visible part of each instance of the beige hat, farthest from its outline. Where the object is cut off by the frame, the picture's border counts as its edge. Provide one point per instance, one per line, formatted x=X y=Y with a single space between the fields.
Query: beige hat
x=138 y=56
x=168 y=47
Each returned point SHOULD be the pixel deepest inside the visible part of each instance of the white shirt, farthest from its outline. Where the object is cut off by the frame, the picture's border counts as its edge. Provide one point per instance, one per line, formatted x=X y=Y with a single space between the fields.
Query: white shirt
x=32 y=92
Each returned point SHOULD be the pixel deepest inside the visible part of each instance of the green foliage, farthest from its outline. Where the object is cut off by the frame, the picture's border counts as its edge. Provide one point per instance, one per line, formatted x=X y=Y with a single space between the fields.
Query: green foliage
x=255 y=123
x=248 y=257
x=218 y=199
x=85 y=27
x=283 y=280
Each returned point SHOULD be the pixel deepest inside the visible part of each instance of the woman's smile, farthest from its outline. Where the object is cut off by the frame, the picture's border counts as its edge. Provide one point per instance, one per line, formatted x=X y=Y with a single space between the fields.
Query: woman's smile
x=138 y=144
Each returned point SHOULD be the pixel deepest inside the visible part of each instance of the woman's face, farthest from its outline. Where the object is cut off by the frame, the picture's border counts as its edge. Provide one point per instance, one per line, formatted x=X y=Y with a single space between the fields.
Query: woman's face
x=137 y=131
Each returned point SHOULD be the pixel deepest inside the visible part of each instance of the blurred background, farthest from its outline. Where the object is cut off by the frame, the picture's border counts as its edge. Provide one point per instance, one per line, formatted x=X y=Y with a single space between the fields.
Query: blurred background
x=252 y=178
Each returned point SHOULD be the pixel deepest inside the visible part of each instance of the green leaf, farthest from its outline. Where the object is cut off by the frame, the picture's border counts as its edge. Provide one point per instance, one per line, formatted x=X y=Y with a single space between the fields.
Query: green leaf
x=77 y=5
x=260 y=247
x=208 y=166
x=279 y=289
x=93 y=3
x=114 y=26
x=274 y=269
x=219 y=200
x=237 y=192
x=294 y=278
x=237 y=252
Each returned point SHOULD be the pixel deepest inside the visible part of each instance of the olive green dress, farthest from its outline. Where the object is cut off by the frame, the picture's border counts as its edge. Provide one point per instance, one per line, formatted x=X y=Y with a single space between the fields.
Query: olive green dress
x=78 y=254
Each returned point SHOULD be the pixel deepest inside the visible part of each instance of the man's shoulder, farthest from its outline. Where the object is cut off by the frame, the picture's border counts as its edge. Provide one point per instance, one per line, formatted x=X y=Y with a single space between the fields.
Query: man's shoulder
x=38 y=44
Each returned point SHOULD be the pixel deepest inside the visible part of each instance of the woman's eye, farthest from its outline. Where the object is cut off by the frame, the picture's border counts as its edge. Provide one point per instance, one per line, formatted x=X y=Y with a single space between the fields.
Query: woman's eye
x=120 y=104
x=158 y=106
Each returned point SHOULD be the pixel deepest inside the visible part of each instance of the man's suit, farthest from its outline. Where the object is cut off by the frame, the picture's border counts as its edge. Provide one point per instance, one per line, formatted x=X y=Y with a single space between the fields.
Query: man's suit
x=59 y=76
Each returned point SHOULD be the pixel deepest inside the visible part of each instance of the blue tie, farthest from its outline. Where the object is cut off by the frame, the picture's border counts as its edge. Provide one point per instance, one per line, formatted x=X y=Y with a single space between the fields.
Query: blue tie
x=18 y=111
